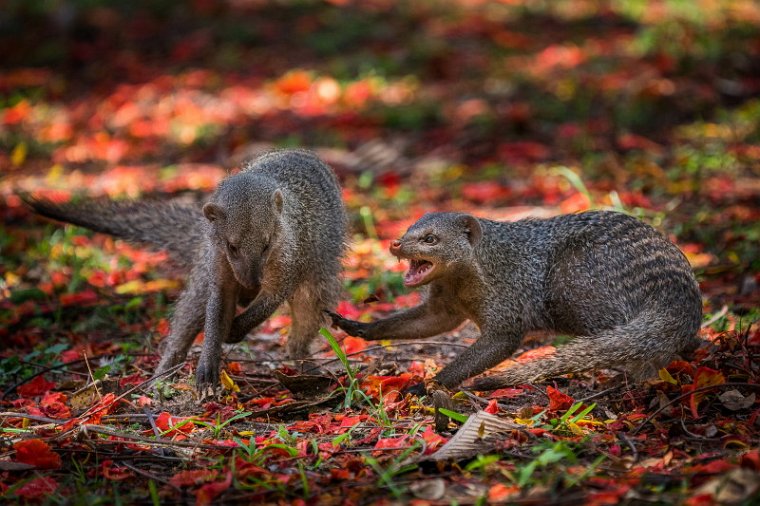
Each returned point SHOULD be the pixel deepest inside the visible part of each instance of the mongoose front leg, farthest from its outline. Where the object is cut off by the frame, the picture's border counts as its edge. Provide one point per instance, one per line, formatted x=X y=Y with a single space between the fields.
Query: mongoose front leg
x=261 y=309
x=186 y=321
x=220 y=310
x=425 y=320
x=489 y=350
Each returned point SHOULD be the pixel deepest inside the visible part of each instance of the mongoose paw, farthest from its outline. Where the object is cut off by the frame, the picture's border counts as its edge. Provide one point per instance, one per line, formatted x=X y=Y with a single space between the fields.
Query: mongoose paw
x=487 y=383
x=206 y=376
x=350 y=327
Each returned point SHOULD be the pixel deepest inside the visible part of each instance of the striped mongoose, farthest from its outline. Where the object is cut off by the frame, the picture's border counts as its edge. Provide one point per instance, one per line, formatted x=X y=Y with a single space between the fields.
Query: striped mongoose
x=628 y=293
x=272 y=233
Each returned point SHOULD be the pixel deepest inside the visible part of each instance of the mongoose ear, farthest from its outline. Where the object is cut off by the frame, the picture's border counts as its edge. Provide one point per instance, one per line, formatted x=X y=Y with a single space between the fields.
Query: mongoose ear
x=277 y=200
x=213 y=212
x=472 y=228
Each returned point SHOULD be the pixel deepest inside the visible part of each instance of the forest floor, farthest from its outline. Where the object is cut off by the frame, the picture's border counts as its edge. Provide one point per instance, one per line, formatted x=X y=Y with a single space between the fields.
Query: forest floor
x=503 y=109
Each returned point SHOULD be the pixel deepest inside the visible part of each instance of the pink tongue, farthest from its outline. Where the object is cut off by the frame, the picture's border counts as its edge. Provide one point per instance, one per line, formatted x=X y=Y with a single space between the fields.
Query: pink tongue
x=413 y=276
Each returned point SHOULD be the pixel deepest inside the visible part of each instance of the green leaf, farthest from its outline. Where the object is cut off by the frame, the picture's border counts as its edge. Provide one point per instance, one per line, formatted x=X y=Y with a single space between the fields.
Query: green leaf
x=459 y=417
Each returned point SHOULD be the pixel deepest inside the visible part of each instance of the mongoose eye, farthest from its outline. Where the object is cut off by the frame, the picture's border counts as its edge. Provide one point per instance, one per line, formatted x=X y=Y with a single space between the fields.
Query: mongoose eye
x=232 y=249
x=430 y=239
x=265 y=248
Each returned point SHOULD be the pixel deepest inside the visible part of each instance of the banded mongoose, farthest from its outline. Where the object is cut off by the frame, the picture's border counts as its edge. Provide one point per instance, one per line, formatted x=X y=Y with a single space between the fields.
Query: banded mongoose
x=274 y=232
x=628 y=292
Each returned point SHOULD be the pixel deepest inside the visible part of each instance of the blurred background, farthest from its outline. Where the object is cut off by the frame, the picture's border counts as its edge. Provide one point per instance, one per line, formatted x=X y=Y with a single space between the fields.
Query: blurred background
x=502 y=108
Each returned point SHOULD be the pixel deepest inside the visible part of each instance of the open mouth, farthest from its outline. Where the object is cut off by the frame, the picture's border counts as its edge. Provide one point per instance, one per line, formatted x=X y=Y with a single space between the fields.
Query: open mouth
x=418 y=271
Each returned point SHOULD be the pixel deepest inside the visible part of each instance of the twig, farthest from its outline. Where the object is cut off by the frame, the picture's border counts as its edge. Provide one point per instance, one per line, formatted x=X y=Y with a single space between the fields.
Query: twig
x=717 y=316
x=36 y=418
x=687 y=394
x=158 y=441
x=634 y=451
x=94 y=381
x=601 y=393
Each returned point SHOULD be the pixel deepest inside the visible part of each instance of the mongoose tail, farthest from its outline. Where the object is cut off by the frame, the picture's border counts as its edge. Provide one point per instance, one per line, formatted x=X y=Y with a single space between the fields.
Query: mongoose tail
x=640 y=348
x=175 y=228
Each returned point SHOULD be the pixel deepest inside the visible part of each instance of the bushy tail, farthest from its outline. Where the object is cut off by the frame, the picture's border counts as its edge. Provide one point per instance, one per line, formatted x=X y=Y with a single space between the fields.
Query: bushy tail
x=640 y=347
x=175 y=228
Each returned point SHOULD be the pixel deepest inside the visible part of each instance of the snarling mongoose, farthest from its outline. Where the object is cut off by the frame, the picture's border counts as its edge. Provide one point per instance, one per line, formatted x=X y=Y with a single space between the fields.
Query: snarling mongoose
x=628 y=293
x=273 y=232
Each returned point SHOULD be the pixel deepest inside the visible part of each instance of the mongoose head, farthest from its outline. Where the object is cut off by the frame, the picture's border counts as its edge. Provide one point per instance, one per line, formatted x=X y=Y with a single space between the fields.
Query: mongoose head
x=246 y=225
x=437 y=245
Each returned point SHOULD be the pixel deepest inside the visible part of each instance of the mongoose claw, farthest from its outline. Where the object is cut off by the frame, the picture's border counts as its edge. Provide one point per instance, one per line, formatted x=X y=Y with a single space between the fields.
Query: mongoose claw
x=350 y=327
x=206 y=377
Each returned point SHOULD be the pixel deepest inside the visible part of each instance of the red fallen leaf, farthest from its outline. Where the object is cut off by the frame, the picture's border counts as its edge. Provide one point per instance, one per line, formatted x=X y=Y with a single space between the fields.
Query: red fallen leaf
x=493 y=407
x=522 y=151
x=53 y=405
x=132 y=380
x=38 y=453
x=432 y=440
x=751 y=459
x=353 y=344
x=389 y=179
x=115 y=473
x=715 y=467
x=702 y=378
x=392 y=443
x=501 y=492
x=558 y=400
x=575 y=203
x=162 y=327
x=700 y=500
x=80 y=298
x=102 y=408
x=37 y=488
x=375 y=385
x=37 y=386
x=536 y=353
x=235 y=368
x=506 y=393
x=70 y=356
x=348 y=310
x=417 y=369
x=193 y=477
x=173 y=425
x=350 y=421
x=680 y=366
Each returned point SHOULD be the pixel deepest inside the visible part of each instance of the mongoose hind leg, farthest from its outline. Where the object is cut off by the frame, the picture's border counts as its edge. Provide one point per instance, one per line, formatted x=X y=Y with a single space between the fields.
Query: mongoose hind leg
x=630 y=347
x=186 y=321
x=306 y=306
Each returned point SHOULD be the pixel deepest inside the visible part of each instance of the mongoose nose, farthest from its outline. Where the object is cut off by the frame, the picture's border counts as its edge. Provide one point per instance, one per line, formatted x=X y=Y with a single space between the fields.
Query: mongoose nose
x=395 y=245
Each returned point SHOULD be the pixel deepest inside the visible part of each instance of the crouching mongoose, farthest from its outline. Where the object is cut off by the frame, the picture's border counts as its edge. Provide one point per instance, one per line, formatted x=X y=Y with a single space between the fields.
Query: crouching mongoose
x=271 y=233
x=628 y=293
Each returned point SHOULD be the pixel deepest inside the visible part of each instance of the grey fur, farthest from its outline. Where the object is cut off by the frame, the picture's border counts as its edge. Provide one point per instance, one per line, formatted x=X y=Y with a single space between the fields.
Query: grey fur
x=274 y=232
x=628 y=292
